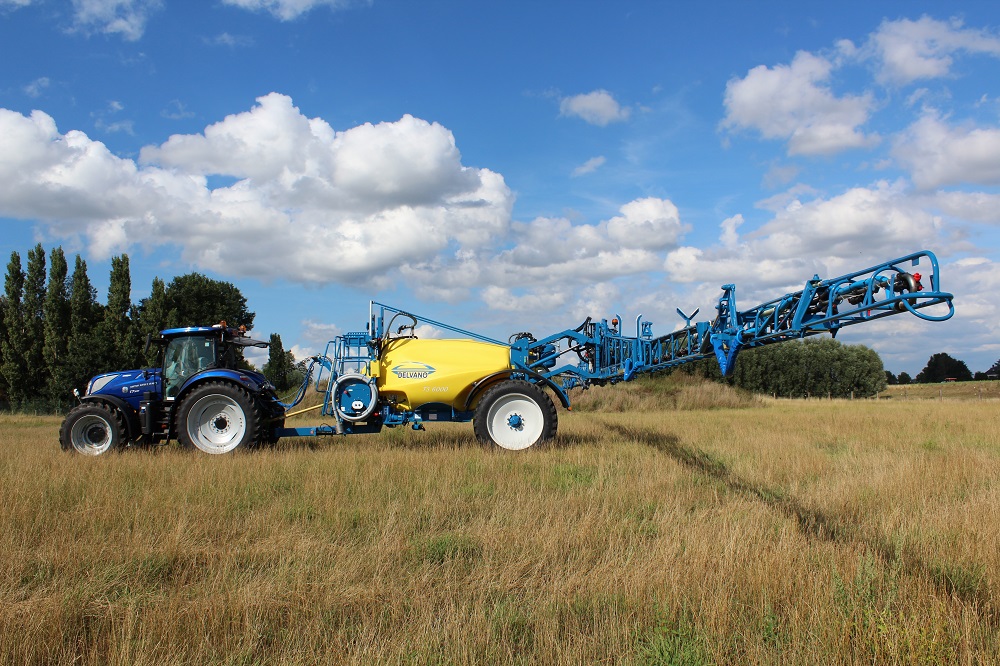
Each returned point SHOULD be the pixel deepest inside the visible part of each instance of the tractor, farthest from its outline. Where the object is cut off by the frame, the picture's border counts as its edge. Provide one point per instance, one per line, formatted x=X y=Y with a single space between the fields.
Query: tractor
x=385 y=376
x=199 y=394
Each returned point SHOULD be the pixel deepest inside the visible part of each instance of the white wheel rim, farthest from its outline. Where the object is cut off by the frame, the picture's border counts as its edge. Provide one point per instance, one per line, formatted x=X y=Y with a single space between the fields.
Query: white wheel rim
x=515 y=421
x=216 y=424
x=91 y=435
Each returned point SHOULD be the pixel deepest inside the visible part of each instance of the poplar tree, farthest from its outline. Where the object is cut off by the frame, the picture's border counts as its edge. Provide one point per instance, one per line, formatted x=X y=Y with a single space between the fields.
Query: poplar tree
x=34 y=323
x=57 y=330
x=280 y=366
x=14 y=343
x=84 y=352
x=118 y=331
x=152 y=317
x=3 y=336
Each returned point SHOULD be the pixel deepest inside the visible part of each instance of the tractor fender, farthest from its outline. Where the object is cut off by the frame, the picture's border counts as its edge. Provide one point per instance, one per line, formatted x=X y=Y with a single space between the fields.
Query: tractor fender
x=489 y=380
x=132 y=428
x=244 y=379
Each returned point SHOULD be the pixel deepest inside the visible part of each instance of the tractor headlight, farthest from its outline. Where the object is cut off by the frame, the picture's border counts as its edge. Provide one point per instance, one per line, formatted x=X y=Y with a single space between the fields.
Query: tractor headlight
x=97 y=383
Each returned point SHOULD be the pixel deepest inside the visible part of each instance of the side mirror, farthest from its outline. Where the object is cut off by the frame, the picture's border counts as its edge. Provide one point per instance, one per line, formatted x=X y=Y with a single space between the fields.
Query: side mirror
x=149 y=341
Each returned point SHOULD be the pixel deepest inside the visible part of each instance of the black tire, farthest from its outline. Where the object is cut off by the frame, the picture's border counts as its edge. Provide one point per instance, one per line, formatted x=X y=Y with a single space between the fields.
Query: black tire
x=218 y=417
x=515 y=415
x=92 y=429
x=272 y=417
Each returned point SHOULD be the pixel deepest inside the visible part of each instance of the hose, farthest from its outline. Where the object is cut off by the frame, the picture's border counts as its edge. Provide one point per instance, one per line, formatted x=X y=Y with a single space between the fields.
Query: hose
x=301 y=393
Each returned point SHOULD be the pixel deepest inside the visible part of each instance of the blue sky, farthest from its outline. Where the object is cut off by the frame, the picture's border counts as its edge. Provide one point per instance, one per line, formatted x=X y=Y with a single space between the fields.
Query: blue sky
x=510 y=166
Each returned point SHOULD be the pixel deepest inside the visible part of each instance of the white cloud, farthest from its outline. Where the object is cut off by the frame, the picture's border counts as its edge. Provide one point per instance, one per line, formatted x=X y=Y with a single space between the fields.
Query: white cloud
x=907 y=50
x=597 y=108
x=730 y=236
x=795 y=103
x=507 y=300
x=36 y=87
x=829 y=236
x=650 y=223
x=554 y=252
x=972 y=206
x=122 y=17
x=315 y=331
x=938 y=154
x=310 y=204
x=590 y=166
x=229 y=40
x=287 y=10
x=16 y=4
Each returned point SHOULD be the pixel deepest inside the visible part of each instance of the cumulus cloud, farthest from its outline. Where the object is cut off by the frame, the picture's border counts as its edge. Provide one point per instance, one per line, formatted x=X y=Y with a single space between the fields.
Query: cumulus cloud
x=937 y=153
x=730 y=235
x=548 y=261
x=597 y=108
x=287 y=10
x=126 y=18
x=829 y=236
x=795 y=103
x=972 y=206
x=309 y=204
x=907 y=50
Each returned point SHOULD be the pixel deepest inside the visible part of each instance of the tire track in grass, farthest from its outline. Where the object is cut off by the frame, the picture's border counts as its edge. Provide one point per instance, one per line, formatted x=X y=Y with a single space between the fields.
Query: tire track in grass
x=813 y=523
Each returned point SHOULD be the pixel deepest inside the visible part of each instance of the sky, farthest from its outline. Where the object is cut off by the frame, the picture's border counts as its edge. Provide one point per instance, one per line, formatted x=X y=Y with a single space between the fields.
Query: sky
x=510 y=166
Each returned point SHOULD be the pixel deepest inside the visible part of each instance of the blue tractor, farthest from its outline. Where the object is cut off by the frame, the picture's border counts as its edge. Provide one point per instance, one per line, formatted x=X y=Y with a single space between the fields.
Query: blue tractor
x=199 y=395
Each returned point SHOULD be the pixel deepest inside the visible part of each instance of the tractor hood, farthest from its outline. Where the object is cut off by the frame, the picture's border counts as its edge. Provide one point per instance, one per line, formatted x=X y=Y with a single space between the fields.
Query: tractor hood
x=125 y=385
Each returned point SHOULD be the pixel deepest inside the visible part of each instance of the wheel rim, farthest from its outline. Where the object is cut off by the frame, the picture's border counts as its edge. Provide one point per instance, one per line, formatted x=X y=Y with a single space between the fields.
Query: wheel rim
x=216 y=424
x=515 y=421
x=91 y=435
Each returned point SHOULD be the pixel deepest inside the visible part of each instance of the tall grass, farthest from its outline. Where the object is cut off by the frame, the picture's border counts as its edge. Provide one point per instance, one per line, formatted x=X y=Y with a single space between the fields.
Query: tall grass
x=676 y=391
x=802 y=533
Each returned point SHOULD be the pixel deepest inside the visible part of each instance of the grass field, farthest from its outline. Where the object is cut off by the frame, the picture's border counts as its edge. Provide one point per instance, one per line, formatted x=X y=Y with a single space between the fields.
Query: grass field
x=761 y=532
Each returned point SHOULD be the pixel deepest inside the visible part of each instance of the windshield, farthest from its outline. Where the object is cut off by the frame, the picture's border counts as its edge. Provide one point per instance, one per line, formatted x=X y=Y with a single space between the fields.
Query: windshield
x=185 y=356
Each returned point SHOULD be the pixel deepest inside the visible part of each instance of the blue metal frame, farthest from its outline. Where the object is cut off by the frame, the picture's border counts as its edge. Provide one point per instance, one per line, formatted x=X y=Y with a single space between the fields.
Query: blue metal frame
x=607 y=356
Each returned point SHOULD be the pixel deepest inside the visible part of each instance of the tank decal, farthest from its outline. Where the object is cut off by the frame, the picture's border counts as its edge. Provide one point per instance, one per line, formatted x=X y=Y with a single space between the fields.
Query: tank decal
x=413 y=370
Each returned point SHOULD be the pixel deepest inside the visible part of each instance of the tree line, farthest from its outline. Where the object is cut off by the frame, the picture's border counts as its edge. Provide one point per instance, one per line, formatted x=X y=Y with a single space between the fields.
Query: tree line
x=55 y=335
x=825 y=367
x=816 y=367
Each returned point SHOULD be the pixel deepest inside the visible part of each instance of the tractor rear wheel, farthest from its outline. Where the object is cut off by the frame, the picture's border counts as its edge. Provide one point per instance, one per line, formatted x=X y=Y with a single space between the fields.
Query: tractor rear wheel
x=92 y=429
x=515 y=415
x=218 y=417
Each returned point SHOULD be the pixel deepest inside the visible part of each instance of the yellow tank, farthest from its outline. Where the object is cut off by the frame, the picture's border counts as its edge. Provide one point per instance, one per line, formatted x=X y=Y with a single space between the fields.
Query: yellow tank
x=413 y=372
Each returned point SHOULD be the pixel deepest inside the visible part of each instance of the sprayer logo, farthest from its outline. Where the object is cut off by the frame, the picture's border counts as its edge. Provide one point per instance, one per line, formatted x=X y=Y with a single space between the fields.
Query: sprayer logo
x=413 y=370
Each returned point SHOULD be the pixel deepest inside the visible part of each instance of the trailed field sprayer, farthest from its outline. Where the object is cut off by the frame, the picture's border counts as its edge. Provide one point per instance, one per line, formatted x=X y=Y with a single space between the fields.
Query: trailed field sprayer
x=385 y=376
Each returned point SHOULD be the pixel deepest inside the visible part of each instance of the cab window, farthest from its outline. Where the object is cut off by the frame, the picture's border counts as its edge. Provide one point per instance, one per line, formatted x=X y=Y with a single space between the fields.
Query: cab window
x=183 y=357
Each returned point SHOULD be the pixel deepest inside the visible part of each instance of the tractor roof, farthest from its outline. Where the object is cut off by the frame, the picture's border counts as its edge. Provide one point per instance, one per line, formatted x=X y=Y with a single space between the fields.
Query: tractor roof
x=236 y=336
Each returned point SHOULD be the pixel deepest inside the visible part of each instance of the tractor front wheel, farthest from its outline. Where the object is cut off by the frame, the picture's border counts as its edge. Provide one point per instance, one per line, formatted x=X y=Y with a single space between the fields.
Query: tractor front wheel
x=515 y=415
x=92 y=429
x=217 y=417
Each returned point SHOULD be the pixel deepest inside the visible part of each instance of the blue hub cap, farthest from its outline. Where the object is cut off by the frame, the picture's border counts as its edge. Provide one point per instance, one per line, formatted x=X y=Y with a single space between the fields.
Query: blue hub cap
x=515 y=421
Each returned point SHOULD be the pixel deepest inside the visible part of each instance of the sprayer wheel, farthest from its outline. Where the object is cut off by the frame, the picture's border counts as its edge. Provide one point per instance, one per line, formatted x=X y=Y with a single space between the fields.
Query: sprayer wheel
x=515 y=415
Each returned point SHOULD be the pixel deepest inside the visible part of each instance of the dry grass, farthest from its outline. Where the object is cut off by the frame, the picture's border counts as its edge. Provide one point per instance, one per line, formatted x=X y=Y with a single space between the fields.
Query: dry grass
x=796 y=532
x=676 y=391
x=983 y=390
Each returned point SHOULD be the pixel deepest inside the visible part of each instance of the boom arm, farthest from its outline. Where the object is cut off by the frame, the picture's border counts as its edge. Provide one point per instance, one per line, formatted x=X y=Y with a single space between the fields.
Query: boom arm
x=605 y=355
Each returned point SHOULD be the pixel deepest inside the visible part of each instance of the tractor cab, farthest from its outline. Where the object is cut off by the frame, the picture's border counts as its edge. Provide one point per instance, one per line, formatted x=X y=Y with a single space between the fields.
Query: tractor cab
x=184 y=355
x=188 y=351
